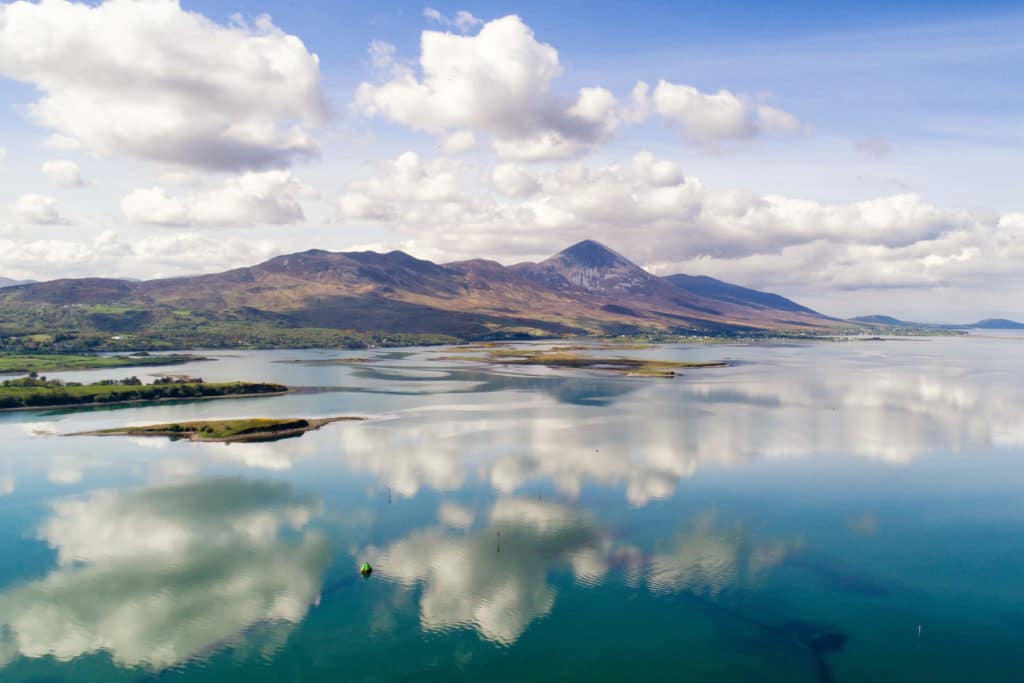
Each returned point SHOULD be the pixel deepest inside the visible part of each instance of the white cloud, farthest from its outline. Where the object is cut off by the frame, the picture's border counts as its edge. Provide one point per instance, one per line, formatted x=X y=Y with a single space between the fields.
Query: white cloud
x=258 y=198
x=160 y=255
x=63 y=173
x=404 y=183
x=514 y=181
x=3 y=154
x=499 y=82
x=150 y=80
x=463 y=21
x=6 y=485
x=713 y=118
x=458 y=142
x=672 y=223
x=36 y=209
x=382 y=54
x=62 y=142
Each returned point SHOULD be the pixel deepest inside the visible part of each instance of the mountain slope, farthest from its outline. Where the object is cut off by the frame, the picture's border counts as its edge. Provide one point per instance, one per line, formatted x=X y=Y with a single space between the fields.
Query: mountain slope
x=585 y=289
x=8 y=282
x=711 y=288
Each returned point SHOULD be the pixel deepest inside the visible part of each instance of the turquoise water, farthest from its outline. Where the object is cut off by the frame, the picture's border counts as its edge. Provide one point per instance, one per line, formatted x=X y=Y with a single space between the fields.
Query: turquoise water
x=815 y=512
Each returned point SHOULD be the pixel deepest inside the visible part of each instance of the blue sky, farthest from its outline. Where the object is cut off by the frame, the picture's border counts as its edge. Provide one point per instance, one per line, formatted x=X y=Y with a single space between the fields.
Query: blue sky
x=860 y=157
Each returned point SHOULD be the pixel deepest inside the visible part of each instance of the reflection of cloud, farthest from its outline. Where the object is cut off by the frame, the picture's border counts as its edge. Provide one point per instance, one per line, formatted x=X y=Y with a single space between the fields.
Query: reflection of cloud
x=158 y=575
x=496 y=580
x=278 y=456
x=664 y=432
x=68 y=469
x=706 y=561
x=455 y=515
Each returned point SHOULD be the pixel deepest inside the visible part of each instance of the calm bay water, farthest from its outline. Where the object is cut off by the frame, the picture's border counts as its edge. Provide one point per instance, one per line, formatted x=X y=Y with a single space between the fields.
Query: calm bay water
x=816 y=512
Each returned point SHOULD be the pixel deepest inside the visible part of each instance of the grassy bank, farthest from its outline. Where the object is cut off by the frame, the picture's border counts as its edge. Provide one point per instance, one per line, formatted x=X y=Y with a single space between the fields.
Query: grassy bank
x=29 y=392
x=17 y=363
x=566 y=357
x=249 y=429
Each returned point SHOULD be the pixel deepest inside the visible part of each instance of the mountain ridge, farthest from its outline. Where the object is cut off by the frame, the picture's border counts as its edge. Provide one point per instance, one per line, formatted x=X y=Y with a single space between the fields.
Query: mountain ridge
x=985 y=324
x=584 y=289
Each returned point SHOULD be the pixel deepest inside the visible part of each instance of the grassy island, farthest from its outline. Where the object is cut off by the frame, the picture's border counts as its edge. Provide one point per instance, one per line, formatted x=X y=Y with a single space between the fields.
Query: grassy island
x=39 y=392
x=245 y=429
x=17 y=363
x=565 y=357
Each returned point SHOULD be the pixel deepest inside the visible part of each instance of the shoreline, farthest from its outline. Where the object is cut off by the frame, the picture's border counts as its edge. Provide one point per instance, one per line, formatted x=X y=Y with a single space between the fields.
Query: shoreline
x=268 y=434
x=65 y=406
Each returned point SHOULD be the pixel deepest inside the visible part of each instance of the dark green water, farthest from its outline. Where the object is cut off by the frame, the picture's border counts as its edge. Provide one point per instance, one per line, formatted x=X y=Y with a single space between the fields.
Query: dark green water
x=827 y=512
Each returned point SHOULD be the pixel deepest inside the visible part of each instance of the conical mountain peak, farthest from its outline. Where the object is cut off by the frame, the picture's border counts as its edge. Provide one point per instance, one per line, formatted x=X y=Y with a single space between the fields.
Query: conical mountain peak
x=590 y=254
x=596 y=268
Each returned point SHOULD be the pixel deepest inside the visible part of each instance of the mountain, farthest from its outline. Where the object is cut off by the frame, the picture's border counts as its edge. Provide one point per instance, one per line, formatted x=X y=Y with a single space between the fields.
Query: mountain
x=886 y=320
x=986 y=324
x=585 y=289
x=8 y=282
x=997 y=324
x=709 y=287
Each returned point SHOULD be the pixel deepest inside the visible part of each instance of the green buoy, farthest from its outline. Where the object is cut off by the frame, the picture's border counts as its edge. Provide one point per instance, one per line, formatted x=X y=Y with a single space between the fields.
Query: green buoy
x=366 y=569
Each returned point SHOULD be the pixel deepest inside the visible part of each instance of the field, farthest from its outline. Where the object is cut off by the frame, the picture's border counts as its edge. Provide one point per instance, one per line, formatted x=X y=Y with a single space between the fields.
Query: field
x=39 y=393
x=17 y=363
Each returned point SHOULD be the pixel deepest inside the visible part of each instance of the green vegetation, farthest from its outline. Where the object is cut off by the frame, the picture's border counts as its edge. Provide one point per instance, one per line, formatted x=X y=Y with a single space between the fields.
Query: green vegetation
x=33 y=327
x=317 y=362
x=563 y=357
x=247 y=429
x=39 y=392
x=53 y=362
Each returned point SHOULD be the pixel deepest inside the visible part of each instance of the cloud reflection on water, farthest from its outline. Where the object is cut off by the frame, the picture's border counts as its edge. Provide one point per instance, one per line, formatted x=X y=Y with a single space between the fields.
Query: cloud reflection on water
x=159 y=575
x=660 y=433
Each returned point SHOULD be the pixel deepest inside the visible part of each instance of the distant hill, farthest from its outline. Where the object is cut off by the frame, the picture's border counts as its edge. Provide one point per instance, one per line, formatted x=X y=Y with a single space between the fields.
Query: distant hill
x=998 y=324
x=8 y=282
x=986 y=324
x=585 y=289
x=886 y=320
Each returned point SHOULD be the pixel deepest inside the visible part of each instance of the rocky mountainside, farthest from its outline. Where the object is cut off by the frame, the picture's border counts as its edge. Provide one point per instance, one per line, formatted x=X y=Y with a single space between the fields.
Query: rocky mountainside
x=585 y=289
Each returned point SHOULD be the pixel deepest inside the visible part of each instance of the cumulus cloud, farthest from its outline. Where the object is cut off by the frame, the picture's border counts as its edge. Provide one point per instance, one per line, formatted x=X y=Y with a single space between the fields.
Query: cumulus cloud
x=159 y=255
x=404 y=182
x=498 y=81
x=257 y=198
x=189 y=567
x=36 y=209
x=463 y=21
x=458 y=142
x=712 y=118
x=149 y=80
x=894 y=241
x=63 y=173
x=513 y=180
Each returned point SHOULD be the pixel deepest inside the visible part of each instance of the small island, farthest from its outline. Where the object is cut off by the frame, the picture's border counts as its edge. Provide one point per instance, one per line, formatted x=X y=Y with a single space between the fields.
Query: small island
x=34 y=391
x=225 y=431
x=18 y=363
x=566 y=357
